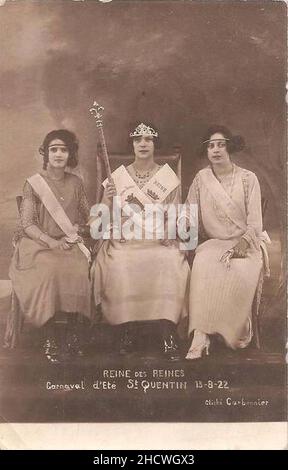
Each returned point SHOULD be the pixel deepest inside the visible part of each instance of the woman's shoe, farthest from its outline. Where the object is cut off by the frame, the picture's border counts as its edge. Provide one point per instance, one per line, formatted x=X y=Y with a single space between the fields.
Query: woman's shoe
x=171 y=349
x=127 y=341
x=74 y=345
x=196 y=353
x=200 y=345
x=51 y=351
x=73 y=337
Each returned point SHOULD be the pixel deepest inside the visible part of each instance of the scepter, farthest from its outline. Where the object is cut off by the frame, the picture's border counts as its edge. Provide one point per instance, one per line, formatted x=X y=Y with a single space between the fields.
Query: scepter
x=95 y=110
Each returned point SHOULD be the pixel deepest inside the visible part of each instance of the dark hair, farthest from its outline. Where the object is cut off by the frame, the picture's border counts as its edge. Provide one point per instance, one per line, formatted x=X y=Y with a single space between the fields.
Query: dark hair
x=69 y=138
x=156 y=140
x=234 y=144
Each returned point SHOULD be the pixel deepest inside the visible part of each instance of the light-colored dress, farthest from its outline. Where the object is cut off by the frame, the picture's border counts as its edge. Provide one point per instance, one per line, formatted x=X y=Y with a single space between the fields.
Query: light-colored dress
x=220 y=299
x=46 y=280
x=139 y=280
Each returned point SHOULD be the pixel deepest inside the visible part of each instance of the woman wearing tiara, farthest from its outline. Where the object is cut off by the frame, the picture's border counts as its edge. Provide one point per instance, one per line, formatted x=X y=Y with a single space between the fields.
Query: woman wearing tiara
x=228 y=265
x=138 y=280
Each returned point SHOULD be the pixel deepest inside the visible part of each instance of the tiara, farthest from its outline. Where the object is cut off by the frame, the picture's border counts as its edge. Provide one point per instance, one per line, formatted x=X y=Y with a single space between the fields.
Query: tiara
x=214 y=140
x=142 y=129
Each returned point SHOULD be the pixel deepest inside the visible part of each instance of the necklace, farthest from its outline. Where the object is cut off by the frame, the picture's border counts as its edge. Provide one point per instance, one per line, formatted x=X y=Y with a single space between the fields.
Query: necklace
x=143 y=174
x=57 y=189
x=142 y=177
x=232 y=181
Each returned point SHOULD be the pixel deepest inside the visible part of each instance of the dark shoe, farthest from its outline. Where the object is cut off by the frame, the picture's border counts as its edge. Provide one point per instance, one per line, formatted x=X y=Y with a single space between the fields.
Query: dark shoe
x=73 y=345
x=51 y=351
x=127 y=342
x=170 y=348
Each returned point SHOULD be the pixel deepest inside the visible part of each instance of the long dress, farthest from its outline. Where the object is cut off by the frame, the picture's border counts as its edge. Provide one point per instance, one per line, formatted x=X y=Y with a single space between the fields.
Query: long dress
x=140 y=280
x=220 y=299
x=46 y=280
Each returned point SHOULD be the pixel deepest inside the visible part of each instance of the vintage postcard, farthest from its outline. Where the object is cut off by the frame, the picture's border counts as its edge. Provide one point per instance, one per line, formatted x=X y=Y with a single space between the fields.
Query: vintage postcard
x=148 y=311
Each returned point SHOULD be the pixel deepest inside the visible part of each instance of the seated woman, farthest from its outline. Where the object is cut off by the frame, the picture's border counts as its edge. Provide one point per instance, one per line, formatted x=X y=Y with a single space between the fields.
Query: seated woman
x=138 y=280
x=49 y=268
x=227 y=268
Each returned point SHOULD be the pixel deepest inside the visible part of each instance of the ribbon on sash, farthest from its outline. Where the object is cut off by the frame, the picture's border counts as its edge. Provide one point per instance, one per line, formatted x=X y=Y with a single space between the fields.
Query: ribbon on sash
x=57 y=212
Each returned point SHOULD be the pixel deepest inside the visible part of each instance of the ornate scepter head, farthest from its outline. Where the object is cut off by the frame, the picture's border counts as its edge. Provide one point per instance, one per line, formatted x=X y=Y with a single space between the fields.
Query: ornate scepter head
x=95 y=110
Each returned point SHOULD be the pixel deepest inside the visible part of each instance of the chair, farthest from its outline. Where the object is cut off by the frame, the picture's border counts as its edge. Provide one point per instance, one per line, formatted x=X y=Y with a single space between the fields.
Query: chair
x=258 y=303
x=15 y=322
x=19 y=202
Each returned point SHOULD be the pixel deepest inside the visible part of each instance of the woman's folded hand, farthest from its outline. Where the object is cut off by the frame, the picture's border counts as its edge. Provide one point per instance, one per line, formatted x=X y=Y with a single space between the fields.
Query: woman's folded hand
x=240 y=250
x=61 y=244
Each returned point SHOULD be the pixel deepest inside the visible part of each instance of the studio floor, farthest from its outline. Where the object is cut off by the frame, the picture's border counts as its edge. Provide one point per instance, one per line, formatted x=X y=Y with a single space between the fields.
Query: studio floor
x=226 y=386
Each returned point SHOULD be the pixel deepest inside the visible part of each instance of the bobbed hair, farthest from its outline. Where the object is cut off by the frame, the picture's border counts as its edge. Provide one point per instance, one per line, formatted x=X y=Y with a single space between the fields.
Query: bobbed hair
x=235 y=143
x=69 y=138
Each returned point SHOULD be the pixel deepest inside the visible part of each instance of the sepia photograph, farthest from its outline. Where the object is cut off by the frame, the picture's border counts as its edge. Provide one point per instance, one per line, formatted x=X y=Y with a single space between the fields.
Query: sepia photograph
x=143 y=201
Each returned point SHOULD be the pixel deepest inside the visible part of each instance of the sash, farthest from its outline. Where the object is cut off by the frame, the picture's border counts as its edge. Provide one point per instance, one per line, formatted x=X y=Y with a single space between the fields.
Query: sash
x=155 y=191
x=232 y=210
x=56 y=211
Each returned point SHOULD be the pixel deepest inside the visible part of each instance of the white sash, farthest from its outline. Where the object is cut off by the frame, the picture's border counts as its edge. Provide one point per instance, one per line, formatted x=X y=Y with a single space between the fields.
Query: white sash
x=56 y=211
x=231 y=209
x=155 y=191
